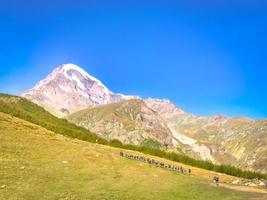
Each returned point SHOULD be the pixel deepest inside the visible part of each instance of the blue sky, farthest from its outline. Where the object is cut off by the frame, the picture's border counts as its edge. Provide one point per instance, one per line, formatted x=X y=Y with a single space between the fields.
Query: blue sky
x=207 y=57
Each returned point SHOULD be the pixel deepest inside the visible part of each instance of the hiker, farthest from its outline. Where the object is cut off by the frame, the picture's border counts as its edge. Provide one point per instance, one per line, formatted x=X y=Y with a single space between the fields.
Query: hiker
x=216 y=180
x=189 y=171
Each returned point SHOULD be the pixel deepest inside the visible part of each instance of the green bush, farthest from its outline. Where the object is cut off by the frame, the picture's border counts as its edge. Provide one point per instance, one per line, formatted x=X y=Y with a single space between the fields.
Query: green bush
x=152 y=143
x=116 y=143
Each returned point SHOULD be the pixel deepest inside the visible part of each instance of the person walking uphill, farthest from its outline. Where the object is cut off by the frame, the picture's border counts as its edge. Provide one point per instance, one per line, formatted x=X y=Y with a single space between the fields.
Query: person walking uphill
x=216 y=180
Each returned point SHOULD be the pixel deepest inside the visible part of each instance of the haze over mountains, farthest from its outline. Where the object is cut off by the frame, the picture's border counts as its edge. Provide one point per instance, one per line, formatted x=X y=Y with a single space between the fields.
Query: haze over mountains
x=71 y=92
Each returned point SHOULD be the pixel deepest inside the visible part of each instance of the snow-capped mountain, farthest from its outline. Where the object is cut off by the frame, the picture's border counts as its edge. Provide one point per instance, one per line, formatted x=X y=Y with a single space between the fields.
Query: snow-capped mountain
x=220 y=139
x=69 y=89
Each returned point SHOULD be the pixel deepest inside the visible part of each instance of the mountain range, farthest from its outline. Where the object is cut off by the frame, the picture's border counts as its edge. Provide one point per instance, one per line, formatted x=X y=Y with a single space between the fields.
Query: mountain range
x=72 y=93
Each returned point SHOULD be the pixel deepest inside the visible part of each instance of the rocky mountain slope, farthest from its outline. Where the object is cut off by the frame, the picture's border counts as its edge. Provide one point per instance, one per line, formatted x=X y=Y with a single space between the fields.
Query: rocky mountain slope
x=131 y=122
x=237 y=141
x=69 y=89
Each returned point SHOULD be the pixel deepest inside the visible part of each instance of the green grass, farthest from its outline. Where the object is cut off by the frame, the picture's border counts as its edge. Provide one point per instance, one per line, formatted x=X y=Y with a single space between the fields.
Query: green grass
x=26 y=110
x=32 y=167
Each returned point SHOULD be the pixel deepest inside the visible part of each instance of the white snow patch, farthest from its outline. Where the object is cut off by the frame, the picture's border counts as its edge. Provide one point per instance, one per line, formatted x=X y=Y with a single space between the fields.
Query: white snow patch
x=66 y=67
x=78 y=81
x=128 y=97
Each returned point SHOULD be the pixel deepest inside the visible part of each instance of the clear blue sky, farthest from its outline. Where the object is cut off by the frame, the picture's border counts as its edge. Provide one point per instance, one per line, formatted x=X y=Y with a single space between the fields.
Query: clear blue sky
x=206 y=57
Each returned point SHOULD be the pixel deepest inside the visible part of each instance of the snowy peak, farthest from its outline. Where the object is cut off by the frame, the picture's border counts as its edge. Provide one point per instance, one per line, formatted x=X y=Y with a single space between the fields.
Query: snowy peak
x=69 y=70
x=68 y=88
x=73 y=73
x=68 y=67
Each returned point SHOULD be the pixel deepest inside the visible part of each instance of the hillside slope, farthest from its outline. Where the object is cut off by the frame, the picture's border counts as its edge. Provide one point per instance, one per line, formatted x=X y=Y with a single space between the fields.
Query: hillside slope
x=131 y=122
x=241 y=142
x=39 y=164
x=237 y=141
x=24 y=109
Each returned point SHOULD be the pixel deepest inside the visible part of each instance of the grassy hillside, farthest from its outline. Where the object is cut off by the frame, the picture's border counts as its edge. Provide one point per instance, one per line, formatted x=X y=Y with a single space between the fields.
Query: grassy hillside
x=38 y=164
x=26 y=110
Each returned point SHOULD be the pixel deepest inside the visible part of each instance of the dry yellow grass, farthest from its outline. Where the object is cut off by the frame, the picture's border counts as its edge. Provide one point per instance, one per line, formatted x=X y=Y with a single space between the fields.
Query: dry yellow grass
x=39 y=164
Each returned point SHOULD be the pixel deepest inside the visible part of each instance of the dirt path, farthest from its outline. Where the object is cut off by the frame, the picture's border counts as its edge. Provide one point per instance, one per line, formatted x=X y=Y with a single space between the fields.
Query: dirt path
x=243 y=188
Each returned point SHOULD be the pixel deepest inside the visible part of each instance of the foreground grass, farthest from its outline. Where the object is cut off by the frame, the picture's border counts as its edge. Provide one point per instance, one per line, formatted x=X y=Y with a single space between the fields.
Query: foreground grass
x=38 y=164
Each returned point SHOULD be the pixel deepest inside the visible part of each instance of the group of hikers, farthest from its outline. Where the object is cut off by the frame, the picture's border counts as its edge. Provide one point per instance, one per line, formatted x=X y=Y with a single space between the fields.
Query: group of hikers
x=216 y=179
x=156 y=163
